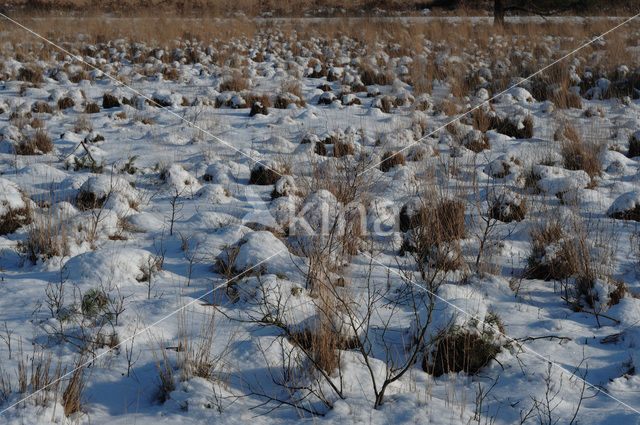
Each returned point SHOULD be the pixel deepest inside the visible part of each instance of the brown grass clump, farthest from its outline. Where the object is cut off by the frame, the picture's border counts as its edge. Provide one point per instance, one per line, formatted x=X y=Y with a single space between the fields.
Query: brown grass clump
x=41 y=107
x=634 y=145
x=447 y=107
x=434 y=232
x=322 y=342
x=391 y=159
x=370 y=77
x=109 y=101
x=36 y=123
x=47 y=237
x=508 y=208
x=444 y=218
x=65 y=103
x=252 y=98
x=565 y=99
x=171 y=73
x=87 y=200
x=30 y=75
x=14 y=219
x=265 y=176
x=235 y=83
x=37 y=144
x=552 y=257
x=258 y=108
x=578 y=154
x=73 y=396
x=484 y=122
x=92 y=108
x=460 y=351
x=476 y=141
x=341 y=149
x=80 y=76
x=631 y=214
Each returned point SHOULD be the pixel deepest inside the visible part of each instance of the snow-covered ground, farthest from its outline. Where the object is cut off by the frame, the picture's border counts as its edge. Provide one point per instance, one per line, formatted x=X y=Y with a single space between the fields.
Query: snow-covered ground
x=178 y=234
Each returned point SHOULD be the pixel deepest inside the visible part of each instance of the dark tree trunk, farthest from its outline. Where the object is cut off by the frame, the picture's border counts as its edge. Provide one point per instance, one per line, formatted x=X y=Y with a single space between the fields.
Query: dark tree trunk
x=498 y=13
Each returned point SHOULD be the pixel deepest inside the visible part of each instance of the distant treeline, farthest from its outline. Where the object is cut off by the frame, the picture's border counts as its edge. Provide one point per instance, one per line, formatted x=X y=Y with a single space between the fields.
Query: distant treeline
x=318 y=7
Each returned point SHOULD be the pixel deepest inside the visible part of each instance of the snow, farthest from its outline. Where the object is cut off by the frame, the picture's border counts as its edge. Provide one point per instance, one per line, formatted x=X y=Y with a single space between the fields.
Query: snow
x=183 y=205
x=10 y=197
x=625 y=202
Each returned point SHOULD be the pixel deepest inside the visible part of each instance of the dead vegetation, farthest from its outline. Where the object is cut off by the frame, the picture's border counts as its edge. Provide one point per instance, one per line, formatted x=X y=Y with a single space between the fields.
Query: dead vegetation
x=433 y=230
x=37 y=144
x=552 y=255
x=579 y=154
x=47 y=236
x=13 y=219
x=391 y=159
x=235 y=83
x=457 y=350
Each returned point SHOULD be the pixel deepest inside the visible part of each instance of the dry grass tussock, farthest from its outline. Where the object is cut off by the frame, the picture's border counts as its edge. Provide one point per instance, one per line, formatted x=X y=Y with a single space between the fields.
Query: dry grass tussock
x=434 y=230
x=37 y=144
x=48 y=236
x=578 y=153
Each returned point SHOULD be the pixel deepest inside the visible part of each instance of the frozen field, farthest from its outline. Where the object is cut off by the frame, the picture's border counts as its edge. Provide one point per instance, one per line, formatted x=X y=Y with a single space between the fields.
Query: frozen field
x=263 y=223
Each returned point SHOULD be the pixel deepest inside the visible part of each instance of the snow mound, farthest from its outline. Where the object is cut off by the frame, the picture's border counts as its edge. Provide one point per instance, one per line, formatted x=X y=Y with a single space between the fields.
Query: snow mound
x=555 y=180
x=214 y=194
x=119 y=265
x=180 y=180
x=115 y=191
x=10 y=197
x=625 y=202
x=264 y=250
